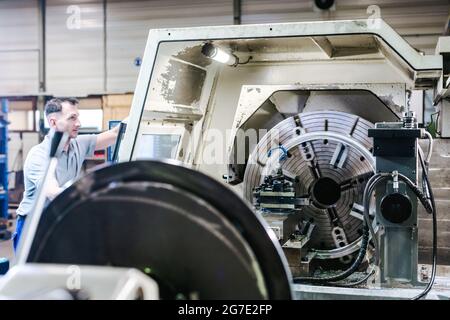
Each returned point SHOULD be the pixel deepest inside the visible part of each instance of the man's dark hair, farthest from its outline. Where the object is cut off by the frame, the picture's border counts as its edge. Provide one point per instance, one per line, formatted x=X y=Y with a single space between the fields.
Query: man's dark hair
x=55 y=104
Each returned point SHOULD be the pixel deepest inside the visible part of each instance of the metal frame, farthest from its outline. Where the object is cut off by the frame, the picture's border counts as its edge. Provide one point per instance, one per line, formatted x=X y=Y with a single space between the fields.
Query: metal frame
x=397 y=49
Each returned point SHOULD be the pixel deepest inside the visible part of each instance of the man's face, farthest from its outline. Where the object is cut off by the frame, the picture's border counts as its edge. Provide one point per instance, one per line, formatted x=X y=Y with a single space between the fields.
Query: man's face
x=67 y=120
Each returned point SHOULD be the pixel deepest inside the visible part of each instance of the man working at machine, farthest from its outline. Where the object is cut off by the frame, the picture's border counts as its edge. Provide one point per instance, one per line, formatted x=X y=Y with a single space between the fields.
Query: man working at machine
x=62 y=115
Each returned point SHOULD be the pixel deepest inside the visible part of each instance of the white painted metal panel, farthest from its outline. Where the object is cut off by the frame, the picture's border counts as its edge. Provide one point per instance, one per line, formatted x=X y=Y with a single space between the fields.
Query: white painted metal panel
x=420 y=21
x=19 y=73
x=19 y=63
x=18 y=24
x=128 y=24
x=74 y=47
x=75 y=57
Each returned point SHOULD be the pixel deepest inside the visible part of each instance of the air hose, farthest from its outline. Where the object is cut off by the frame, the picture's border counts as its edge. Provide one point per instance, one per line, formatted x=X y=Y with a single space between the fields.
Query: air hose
x=434 y=217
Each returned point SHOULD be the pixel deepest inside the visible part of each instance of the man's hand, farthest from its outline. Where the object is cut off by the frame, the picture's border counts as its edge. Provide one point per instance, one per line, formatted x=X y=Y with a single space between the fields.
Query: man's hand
x=107 y=138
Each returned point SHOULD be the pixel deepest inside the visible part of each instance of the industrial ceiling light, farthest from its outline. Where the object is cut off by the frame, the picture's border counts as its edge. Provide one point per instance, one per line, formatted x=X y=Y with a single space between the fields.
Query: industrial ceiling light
x=220 y=55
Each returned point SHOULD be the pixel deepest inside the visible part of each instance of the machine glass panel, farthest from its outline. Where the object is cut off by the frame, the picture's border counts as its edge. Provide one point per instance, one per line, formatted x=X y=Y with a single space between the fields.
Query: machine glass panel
x=158 y=146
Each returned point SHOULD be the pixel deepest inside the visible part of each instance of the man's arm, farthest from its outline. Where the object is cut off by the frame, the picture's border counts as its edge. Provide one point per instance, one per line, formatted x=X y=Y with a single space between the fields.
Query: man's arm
x=107 y=138
x=52 y=188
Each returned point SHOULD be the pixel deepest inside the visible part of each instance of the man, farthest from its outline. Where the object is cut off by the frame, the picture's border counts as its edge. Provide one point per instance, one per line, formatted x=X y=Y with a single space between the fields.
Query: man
x=62 y=115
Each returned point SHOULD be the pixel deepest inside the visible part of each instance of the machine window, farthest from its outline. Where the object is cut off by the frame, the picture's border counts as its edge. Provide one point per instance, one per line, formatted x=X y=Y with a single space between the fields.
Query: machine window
x=158 y=146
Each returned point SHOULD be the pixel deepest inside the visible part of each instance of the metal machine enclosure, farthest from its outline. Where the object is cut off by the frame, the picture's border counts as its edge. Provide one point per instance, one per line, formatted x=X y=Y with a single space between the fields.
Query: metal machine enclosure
x=191 y=108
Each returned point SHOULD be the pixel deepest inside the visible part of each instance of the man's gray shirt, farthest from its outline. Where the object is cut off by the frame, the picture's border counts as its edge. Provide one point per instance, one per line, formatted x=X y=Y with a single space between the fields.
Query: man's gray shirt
x=68 y=169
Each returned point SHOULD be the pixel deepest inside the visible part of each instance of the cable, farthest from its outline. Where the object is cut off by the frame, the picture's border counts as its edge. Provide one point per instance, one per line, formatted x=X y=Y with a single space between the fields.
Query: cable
x=424 y=171
x=355 y=283
x=434 y=218
x=429 y=205
x=368 y=228
x=349 y=271
x=436 y=122
x=427 y=202
x=283 y=150
x=430 y=147
x=364 y=241
x=370 y=186
x=420 y=195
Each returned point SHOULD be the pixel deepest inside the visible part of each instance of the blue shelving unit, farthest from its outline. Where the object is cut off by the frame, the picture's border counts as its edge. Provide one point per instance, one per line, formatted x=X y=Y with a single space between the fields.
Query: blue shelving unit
x=4 y=262
x=4 y=159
